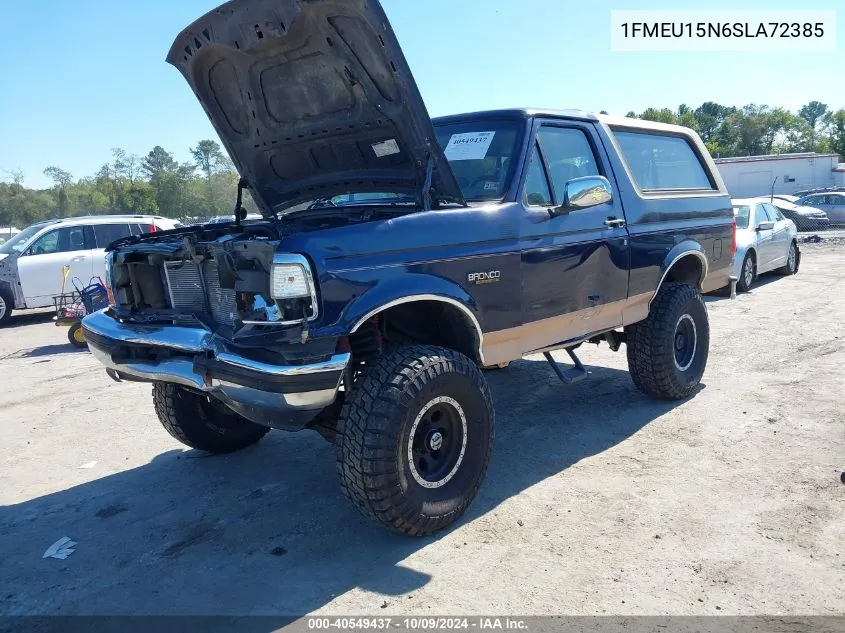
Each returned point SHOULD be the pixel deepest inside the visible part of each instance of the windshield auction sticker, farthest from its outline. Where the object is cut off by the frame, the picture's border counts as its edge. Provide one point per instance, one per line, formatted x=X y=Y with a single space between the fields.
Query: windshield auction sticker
x=469 y=146
x=730 y=30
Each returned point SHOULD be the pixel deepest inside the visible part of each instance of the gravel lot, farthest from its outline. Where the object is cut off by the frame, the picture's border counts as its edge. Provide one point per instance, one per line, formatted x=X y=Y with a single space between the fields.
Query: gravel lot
x=598 y=500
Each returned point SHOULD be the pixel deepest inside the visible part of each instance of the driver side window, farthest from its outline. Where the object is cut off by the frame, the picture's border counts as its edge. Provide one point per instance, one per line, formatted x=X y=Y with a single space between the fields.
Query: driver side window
x=774 y=212
x=62 y=240
x=569 y=156
x=761 y=213
x=536 y=190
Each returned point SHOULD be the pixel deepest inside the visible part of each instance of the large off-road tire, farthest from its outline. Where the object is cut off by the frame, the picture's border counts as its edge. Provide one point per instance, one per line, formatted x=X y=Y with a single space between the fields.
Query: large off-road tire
x=793 y=260
x=667 y=352
x=415 y=437
x=201 y=423
x=7 y=303
x=748 y=273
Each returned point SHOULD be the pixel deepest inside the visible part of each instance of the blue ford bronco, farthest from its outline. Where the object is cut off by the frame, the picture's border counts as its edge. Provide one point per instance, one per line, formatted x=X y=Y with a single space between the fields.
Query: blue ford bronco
x=399 y=256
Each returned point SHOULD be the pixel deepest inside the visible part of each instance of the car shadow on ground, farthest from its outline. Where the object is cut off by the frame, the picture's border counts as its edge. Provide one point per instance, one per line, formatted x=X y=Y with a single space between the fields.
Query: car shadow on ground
x=50 y=350
x=267 y=531
x=30 y=317
x=724 y=293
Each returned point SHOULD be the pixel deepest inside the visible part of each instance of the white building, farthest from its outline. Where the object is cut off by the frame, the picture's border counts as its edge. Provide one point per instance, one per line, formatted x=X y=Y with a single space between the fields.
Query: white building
x=749 y=176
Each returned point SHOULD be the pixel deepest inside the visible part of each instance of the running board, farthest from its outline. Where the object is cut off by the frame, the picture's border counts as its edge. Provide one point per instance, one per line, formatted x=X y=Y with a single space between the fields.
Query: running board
x=570 y=375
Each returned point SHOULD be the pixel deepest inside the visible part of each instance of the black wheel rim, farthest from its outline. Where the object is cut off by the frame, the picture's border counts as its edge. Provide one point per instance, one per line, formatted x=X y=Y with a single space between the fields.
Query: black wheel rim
x=685 y=342
x=748 y=272
x=438 y=442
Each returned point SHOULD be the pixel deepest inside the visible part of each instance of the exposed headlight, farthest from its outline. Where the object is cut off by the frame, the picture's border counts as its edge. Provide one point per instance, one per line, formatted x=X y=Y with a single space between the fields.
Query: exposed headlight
x=108 y=277
x=290 y=281
x=108 y=267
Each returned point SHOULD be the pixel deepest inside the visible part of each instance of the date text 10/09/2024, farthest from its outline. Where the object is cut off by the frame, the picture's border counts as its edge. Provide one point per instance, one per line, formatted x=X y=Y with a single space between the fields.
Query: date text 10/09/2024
x=418 y=624
x=722 y=29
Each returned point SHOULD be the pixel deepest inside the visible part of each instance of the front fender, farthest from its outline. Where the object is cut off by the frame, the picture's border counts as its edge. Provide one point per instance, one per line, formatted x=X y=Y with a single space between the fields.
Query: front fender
x=404 y=289
x=10 y=279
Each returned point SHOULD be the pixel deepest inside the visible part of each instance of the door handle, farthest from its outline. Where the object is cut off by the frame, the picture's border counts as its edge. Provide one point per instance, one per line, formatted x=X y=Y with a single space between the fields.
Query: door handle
x=81 y=258
x=614 y=223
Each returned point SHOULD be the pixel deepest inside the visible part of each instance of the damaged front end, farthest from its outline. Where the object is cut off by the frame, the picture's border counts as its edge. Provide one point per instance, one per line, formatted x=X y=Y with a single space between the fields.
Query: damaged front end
x=219 y=311
x=232 y=283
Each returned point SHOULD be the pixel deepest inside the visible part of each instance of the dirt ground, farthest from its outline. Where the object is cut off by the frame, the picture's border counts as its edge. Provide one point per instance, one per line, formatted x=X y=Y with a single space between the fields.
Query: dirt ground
x=598 y=500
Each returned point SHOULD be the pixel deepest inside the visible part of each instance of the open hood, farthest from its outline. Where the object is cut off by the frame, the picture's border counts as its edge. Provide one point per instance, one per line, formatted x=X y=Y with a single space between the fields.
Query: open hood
x=312 y=98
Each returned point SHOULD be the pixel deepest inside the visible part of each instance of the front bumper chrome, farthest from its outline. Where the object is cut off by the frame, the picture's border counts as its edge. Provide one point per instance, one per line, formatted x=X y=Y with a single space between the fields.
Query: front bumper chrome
x=279 y=396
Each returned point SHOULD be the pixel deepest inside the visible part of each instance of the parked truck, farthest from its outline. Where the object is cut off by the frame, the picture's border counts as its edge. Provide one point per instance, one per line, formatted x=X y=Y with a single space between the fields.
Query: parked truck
x=399 y=256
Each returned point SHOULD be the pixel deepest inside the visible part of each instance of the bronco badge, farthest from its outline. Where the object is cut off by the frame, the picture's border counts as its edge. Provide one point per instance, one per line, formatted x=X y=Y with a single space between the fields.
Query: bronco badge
x=490 y=277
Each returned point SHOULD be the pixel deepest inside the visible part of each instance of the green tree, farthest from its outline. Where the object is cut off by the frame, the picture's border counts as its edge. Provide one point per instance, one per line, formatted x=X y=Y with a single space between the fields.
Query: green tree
x=158 y=161
x=813 y=112
x=21 y=206
x=709 y=116
x=212 y=161
x=664 y=115
x=835 y=123
x=208 y=156
x=63 y=180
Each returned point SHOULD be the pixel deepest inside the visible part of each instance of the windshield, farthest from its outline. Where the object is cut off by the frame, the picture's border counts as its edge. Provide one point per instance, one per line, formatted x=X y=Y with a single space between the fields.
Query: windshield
x=742 y=214
x=481 y=154
x=17 y=243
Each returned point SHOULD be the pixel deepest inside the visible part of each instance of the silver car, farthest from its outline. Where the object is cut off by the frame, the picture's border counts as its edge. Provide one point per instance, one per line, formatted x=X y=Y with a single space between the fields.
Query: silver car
x=832 y=203
x=765 y=241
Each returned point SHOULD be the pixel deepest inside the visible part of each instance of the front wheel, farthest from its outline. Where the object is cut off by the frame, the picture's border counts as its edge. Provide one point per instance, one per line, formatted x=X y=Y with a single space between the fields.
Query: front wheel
x=201 y=422
x=7 y=302
x=415 y=437
x=667 y=352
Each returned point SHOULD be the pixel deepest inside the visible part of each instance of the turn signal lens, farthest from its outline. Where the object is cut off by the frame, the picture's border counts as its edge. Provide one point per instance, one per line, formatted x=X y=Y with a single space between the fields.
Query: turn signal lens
x=289 y=281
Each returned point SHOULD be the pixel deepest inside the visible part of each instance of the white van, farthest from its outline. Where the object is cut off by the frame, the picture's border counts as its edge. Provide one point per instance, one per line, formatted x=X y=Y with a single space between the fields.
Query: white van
x=31 y=262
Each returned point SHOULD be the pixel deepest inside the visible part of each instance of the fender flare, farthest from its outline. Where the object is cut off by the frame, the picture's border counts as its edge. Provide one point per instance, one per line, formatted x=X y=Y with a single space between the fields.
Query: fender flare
x=409 y=288
x=687 y=248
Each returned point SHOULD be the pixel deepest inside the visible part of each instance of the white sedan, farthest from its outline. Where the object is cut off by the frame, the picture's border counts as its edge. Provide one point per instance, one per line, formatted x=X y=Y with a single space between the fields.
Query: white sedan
x=765 y=241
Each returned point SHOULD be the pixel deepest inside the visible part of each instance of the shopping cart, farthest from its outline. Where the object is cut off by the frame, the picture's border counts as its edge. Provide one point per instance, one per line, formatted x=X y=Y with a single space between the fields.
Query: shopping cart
x=72 y=307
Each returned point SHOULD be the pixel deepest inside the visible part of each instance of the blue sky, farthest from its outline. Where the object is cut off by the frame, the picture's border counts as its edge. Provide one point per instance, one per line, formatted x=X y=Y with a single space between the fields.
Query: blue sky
x=82 y=76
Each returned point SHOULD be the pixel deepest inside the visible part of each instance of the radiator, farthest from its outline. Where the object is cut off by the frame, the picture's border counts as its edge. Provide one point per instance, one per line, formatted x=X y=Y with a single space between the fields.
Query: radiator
x=197 y=288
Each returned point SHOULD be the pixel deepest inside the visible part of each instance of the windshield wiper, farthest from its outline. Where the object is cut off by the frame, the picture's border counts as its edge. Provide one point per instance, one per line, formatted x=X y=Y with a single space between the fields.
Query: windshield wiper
x=321 y=203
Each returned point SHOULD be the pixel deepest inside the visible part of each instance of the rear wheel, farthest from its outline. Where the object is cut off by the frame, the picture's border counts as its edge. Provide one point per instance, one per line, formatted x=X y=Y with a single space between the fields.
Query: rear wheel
x=7 y=302
x=793 y=259
x=201 y=422
x=667 y=353
x=415 y=437
x=748 y=273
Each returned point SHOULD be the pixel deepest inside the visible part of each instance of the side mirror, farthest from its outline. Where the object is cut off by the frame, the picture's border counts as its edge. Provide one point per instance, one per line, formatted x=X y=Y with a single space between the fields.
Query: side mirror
x=583 y=193
x=765 y=226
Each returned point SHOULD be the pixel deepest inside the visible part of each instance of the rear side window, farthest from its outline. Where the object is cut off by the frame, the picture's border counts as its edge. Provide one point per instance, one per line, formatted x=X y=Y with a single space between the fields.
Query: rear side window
x=662 y=162
x=105 y=234
x=742 y=213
